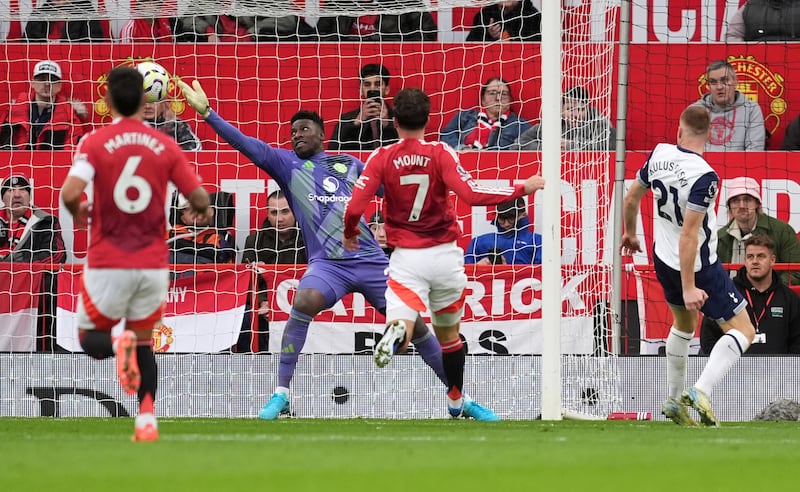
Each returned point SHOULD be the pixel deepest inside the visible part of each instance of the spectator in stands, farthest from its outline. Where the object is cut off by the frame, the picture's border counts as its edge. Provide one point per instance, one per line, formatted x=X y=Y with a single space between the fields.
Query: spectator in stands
x=200 y=242
x=278 y=242
x=290 y=28
x=215 y=29
x=514 y=243
x=791 y=139
x=736 y=122
x=57 y=20
x=765 y=20
x=748 y=219
x=408 y=26
x=773 y=307
x=43 y=118
x=148 y=29
x=370 y=125
x=582 y=126
x=27 y=233
x=161 y=117
x=510 y=20
x=376 y=226
x=232 y=29
x=493 y=126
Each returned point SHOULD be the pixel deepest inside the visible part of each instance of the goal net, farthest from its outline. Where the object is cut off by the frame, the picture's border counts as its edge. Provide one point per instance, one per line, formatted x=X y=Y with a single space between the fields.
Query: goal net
x=220 y=341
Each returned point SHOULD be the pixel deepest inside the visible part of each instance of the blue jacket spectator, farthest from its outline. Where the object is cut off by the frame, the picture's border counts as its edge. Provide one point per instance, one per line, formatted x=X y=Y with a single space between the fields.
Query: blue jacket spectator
x=514 y=243
x=493 y=126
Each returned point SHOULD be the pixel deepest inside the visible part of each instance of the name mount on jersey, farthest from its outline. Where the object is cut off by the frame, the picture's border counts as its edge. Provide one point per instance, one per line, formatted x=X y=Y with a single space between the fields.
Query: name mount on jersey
x=411 y=160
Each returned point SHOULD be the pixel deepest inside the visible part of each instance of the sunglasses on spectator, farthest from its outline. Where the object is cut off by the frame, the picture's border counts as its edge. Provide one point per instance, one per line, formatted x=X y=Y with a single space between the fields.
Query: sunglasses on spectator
x=47 y=78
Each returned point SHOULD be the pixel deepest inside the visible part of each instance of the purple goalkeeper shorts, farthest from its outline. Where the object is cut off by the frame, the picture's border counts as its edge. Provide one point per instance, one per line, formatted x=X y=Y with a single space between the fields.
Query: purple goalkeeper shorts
x=337 y=278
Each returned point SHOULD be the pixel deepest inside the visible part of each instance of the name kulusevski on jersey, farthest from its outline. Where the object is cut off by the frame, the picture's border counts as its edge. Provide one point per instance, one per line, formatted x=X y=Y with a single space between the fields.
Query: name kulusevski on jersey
x=681 y=179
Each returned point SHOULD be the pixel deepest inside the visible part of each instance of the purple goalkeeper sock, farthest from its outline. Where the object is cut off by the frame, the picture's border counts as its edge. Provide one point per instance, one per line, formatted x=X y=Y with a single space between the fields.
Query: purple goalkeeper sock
x=431 y=352
x=294 y=337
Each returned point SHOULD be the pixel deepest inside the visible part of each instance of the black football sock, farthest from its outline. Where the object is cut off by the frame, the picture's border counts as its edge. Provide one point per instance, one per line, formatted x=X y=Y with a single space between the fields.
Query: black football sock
x=149 y=371
x=97 y=344
x=453 y=358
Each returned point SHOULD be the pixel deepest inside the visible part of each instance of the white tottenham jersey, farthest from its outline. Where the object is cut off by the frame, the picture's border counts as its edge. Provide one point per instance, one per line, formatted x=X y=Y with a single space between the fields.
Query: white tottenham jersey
x=681 y=180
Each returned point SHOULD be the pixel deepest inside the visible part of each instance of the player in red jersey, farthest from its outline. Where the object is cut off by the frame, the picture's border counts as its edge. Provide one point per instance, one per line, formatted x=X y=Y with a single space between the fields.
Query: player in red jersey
x=426 y=269
x=126 y=274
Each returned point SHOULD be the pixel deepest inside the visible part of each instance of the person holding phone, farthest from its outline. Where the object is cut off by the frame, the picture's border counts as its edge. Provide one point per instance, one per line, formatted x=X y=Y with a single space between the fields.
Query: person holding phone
x=370 y=125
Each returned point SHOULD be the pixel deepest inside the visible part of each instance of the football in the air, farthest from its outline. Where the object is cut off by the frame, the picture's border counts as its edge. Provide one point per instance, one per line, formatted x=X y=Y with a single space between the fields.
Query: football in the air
x=156 y=81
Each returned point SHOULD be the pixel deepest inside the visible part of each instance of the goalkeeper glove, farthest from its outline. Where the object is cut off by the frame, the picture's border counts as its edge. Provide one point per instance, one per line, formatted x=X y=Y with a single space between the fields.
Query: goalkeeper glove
x=196 y=97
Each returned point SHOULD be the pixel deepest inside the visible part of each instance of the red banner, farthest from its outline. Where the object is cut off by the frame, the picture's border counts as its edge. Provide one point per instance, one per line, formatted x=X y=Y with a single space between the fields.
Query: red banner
x=203 y=312
x=502 y=313
x=20 y=286
x=587 y=234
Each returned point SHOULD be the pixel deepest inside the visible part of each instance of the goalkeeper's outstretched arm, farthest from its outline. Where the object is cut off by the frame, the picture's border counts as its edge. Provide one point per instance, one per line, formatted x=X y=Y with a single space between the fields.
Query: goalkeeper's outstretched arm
x=261 y=153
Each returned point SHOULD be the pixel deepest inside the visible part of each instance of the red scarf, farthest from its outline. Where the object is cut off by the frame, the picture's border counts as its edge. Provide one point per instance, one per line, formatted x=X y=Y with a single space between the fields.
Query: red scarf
x=15 y=229
x=479 y=136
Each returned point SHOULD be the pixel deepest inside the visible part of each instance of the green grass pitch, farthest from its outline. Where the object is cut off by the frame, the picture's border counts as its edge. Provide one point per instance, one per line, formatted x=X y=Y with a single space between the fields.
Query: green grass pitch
x=386 y=455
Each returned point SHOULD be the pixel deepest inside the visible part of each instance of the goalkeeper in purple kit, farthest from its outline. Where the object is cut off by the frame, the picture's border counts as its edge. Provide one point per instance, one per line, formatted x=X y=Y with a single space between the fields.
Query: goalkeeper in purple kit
x=317 y=187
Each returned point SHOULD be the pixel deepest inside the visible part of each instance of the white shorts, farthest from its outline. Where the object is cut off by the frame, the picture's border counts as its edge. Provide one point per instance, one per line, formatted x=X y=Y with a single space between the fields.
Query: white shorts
x=427 y=278
x=110 y=294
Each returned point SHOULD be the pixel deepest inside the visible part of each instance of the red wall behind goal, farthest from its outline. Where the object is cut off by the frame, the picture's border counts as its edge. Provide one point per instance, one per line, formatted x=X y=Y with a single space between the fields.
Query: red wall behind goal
x=260 y=86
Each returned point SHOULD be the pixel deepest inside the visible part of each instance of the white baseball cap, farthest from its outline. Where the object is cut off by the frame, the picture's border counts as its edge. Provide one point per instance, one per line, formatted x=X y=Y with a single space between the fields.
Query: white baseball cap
x=47 y=67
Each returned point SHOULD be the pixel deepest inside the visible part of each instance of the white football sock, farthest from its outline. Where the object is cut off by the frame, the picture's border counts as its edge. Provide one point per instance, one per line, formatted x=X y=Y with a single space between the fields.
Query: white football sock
x=724 y=355
x=677 y=355
x=143 y=419
x=282 y=389
x=455 y=403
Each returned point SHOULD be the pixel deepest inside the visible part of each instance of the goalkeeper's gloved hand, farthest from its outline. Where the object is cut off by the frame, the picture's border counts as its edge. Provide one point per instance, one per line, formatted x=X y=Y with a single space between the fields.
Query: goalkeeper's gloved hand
x=196 y=97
